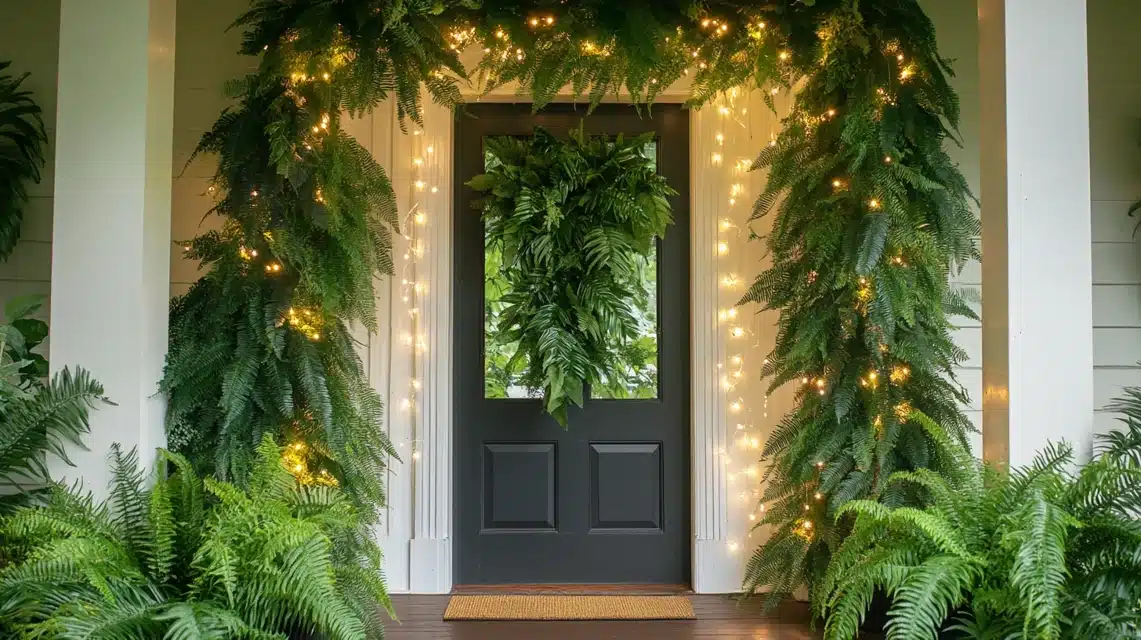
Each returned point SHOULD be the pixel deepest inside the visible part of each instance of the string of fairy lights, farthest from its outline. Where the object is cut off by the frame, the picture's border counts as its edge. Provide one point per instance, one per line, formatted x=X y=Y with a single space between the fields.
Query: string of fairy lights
x=733 y=370
x=422 y=183
x=732 y=136
x=742 y=345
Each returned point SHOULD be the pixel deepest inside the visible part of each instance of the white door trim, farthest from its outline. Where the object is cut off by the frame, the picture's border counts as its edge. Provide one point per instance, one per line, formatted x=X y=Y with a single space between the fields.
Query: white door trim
x=411 y=358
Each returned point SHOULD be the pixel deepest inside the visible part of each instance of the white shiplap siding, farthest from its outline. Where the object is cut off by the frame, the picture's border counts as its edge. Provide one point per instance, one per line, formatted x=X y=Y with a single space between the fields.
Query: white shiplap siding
x=1115 y=159
x=29 y=38
x=956 y=25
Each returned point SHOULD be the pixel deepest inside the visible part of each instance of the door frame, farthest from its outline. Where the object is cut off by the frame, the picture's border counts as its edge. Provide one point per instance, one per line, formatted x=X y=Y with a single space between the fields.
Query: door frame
x=716 y=557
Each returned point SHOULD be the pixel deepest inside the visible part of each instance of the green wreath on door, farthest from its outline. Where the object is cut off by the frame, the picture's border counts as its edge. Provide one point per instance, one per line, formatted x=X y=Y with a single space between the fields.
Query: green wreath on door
x=571 y=229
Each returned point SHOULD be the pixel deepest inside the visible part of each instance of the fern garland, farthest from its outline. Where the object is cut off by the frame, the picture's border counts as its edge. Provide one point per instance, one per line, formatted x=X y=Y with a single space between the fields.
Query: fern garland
x=575 y=223
x=871 y=218
x=260 y=345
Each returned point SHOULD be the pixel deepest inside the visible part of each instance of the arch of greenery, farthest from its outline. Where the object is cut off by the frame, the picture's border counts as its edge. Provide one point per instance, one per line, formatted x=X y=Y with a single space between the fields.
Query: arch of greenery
x=870 y=217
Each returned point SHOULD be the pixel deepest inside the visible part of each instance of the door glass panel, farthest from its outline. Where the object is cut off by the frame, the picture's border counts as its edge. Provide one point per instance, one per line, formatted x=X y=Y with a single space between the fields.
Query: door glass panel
x=503 y=372
x=637 y=373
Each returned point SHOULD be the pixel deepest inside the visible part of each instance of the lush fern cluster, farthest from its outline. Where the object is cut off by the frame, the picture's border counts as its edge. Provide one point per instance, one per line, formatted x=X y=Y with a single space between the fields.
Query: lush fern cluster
x=37 y=417
x=575 y=222
x=871 y=218
x=22 y=142
x=192 y=558
x=1038 y=553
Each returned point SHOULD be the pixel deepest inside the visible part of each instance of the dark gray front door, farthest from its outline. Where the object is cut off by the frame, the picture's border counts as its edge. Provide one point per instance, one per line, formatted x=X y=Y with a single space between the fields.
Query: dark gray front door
x=608 y=500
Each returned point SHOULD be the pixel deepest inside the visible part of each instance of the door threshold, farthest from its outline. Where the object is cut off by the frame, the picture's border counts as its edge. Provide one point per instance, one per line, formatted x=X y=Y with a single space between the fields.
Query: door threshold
x=573 y=589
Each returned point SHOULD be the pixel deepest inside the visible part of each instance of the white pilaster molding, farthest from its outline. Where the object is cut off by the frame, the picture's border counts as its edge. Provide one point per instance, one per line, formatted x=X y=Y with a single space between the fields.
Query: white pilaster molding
x=111 y=233
x=431 y=550
x=1037 y=273
x=416 y=354
x=375 y=131
x=713 y=570
x=730 y=403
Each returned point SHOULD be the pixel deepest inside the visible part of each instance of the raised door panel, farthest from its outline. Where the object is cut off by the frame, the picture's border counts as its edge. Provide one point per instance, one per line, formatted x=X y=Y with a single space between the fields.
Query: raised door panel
x=626 y=487
x=519 y=486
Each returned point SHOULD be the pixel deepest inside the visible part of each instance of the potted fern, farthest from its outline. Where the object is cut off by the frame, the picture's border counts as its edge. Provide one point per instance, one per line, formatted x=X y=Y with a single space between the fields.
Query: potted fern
x=1040 y=552
x=191 y=557
x=37 y=416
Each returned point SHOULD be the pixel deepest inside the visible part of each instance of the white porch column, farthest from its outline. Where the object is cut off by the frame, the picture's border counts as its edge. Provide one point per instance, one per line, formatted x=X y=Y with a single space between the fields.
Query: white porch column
x=1037 y=281
x=111 y=234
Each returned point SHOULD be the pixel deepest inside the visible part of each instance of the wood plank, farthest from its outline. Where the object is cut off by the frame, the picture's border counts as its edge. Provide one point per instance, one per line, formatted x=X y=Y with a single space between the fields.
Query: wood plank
x=1116 y=306
x=1120 y=347
x=1109 y=383
x=1111 y=222
x=1116 y=263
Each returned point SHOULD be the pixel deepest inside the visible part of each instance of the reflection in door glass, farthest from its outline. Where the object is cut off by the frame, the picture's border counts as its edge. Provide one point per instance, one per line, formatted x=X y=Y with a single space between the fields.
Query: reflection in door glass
x=635 y=377
x=503 y=368
x=638 y=374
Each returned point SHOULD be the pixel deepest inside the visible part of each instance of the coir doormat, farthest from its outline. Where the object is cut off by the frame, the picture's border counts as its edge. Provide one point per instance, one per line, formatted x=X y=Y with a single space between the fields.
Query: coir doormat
x=516 y=607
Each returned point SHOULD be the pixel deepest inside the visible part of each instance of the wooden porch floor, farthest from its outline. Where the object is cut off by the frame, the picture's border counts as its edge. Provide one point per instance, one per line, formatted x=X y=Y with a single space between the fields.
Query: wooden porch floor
x=421 y=618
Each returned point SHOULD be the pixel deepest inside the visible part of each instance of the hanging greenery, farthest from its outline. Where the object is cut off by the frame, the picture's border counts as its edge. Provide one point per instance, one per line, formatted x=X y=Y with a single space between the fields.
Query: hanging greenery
x=870 y=217
x=22 y=142
x=575 y=223
x=260 y=345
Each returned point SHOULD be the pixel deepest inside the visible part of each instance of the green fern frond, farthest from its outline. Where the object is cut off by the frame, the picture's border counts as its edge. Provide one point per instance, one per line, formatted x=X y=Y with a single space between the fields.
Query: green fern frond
x=260 y=563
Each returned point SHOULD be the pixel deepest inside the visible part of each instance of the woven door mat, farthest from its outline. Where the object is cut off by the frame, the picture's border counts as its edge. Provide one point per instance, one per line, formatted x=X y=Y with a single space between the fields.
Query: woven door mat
x=514 y=607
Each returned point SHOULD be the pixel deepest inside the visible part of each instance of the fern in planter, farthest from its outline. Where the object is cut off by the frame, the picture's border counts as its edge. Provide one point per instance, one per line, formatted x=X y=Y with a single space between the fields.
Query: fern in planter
x=37 y=416
x=22 y=141
x=1037 y=553
x=574 y=223
x=193 y=558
